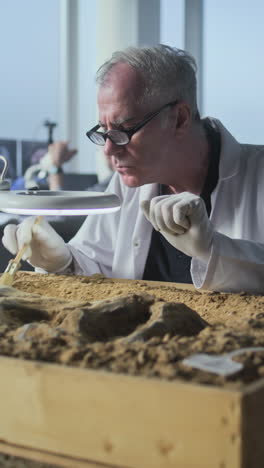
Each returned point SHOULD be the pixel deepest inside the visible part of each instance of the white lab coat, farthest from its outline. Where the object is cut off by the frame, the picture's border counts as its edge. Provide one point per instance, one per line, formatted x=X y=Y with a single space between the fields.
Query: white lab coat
x=117 y=244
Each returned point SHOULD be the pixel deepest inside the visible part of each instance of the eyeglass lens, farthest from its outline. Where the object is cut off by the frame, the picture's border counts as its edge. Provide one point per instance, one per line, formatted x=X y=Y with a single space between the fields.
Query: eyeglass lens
x=117 y=137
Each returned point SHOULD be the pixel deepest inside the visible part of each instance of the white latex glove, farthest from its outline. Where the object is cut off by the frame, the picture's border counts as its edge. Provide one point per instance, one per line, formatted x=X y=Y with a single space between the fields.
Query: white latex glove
x=182 y=219
x=46 y=250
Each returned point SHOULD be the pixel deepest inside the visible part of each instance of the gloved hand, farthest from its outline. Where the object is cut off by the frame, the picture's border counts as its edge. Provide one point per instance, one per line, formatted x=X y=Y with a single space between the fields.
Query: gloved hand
x=183 y=221
x=46 y=249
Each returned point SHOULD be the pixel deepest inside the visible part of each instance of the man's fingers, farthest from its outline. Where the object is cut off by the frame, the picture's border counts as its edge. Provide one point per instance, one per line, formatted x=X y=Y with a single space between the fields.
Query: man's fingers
x=9 y=239
x=167 y=214
x=180 y=216
x=16 y=236
x=150 y=211
x=170 y=216
x=25 y=231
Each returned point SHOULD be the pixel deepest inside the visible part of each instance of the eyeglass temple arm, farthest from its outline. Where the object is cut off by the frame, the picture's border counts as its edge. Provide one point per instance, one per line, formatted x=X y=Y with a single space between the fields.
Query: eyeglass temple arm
x=148 y=118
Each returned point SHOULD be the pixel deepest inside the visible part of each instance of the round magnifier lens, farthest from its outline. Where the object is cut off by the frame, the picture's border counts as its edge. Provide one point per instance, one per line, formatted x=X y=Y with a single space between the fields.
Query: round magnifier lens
x=54 y=203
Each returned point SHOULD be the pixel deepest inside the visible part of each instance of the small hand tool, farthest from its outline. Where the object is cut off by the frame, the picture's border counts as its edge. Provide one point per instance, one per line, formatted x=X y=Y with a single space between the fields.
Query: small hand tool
x=7 y=278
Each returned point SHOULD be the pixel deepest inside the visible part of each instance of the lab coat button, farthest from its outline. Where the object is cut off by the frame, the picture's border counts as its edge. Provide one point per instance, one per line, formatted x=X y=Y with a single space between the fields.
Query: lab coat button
x=136 y=243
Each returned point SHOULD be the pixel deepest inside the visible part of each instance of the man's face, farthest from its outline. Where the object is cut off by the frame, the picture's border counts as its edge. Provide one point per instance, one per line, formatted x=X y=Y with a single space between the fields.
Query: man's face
x=146 y=157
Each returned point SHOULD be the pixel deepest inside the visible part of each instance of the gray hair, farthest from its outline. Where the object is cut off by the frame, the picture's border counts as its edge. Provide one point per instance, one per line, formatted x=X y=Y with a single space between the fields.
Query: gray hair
x=168 y=73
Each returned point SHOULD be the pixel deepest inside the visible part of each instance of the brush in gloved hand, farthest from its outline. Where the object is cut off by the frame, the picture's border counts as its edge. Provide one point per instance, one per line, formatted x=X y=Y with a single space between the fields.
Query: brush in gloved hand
x=46 y=248
x=14 y=264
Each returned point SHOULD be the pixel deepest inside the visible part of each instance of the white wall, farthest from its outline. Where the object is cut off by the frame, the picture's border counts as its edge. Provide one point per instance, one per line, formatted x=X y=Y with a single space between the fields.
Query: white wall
x=29 y=52
x=234 y=66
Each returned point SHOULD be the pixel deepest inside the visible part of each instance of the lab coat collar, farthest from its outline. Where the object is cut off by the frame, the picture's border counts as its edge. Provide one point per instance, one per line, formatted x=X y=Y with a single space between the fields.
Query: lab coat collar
x=230 y=151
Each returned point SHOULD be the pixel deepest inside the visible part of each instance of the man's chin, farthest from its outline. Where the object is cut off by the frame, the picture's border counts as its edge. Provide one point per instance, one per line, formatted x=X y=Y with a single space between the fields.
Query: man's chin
x=131 y=181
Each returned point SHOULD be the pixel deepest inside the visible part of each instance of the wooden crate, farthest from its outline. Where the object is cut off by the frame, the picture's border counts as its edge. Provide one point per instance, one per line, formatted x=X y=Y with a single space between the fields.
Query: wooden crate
x=79 y=418
x=84 y=418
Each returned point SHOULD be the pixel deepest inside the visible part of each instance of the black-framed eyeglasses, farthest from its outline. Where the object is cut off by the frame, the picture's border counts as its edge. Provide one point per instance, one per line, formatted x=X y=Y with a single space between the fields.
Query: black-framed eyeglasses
x=122 y=137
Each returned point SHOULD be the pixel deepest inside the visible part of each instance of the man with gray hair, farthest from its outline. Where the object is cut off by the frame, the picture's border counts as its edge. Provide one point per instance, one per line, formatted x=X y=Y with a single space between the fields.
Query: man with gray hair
x=192 y=196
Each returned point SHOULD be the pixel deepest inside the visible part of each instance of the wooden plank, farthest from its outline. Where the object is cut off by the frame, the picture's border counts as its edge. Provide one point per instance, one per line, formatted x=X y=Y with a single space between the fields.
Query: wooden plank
x=252 y=407
x=117 y=419
x=49 y=458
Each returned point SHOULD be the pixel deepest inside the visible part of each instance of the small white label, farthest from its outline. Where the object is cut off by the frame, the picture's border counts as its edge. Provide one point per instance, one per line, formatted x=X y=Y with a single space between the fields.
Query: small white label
x=222 y=365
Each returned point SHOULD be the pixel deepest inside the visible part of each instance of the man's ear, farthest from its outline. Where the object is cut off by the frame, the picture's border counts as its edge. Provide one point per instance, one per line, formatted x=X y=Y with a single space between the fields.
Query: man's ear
x=183 y=118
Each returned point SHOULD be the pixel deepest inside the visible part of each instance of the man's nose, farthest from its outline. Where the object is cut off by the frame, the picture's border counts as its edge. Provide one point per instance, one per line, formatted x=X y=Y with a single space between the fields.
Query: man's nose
x=111 y=149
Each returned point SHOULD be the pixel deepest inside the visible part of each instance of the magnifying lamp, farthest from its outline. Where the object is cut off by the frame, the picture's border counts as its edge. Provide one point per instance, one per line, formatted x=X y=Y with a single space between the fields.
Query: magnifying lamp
x=54 y=203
